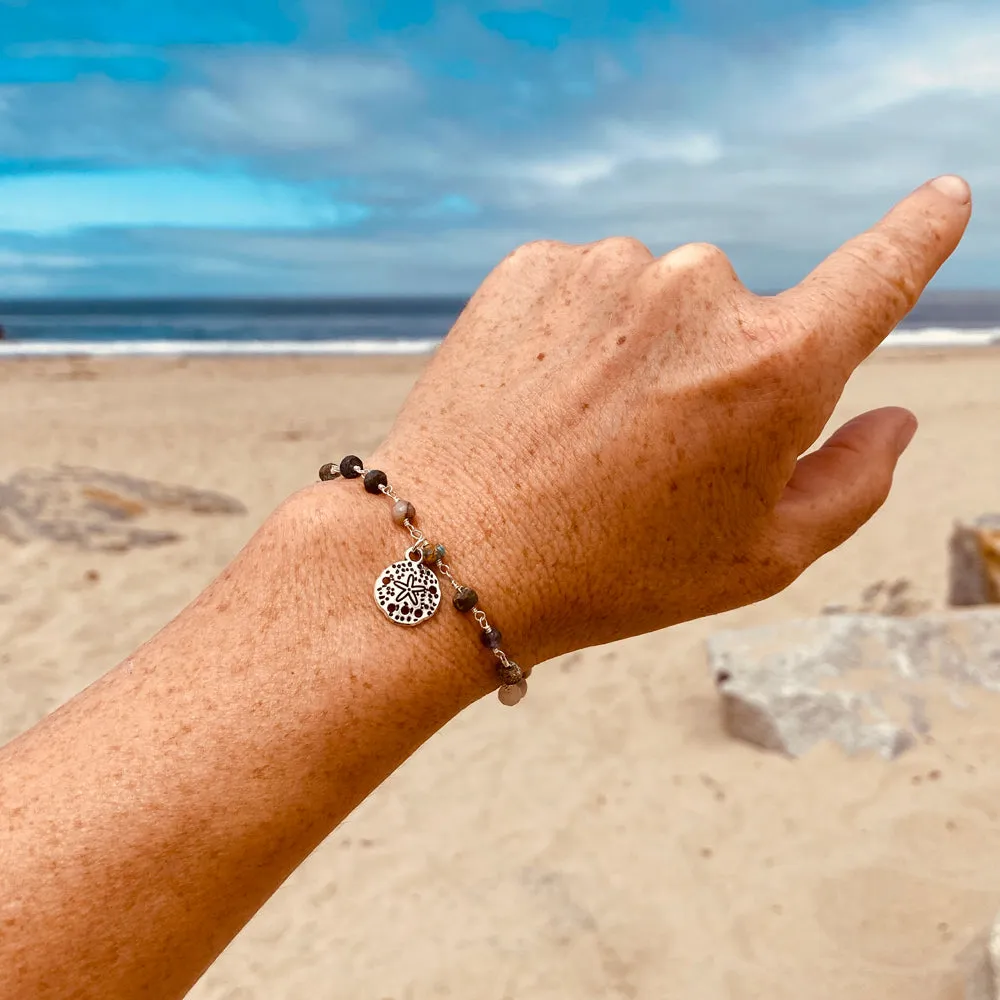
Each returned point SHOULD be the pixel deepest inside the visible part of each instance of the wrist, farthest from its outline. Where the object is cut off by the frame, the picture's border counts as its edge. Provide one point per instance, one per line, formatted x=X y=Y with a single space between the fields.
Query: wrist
x=469 y=514
x=347 y=538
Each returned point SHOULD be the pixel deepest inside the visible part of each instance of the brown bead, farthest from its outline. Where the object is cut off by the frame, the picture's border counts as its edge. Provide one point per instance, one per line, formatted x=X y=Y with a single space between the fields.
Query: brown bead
x=429 y=553
x=374 y=480
x=510 y=673
x=329 y=471
x=402 y=510
x=349 y=466
x=465 y=599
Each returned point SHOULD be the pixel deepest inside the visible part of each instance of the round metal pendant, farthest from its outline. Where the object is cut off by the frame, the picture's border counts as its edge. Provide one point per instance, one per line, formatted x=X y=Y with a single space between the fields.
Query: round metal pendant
x=408 y=592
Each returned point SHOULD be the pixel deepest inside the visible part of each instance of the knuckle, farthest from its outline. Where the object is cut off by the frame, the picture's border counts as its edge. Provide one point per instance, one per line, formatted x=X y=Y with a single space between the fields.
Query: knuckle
x=535 y=249
x=699 y=257
x=620 y=248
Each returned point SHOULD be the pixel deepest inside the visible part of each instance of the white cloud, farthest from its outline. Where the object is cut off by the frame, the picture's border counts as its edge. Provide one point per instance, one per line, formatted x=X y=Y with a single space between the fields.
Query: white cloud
x=12 y=260
x=777 y=154
x=572 y=171
x=896 y=56
x=23 y=284
x=286 y=101
x=623 y=145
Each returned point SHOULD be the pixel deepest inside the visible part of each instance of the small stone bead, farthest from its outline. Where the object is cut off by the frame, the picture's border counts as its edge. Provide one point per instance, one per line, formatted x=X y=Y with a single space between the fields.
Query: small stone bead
x=402 y=510
x=348 y=466
x=429 y=553
x=511 y=694
x=375 y=478
x=441 y=551
x=329 y=471
x=491 y=638
x=465 y=599
x=510 y=673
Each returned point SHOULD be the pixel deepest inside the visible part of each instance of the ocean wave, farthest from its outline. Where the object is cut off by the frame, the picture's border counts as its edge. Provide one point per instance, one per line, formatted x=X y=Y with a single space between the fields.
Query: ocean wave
x=942 y=336
x=170 y=348
x=927 y=337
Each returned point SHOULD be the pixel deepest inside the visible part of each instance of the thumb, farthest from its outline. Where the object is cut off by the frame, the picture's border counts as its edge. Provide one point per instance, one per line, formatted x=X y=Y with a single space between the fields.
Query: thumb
x=836 y=489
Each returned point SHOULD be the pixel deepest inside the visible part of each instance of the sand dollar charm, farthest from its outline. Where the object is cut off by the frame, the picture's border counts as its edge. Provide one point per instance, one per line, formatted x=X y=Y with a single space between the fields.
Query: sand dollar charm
x=407 y=591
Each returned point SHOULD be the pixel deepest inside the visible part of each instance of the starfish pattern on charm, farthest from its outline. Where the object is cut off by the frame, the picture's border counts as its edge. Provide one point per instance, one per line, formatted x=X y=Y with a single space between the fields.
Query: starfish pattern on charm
x=408 y=591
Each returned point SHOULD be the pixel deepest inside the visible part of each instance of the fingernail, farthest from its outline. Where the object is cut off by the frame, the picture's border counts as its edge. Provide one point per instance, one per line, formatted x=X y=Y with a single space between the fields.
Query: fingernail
x=953 y=187
x=905 y=434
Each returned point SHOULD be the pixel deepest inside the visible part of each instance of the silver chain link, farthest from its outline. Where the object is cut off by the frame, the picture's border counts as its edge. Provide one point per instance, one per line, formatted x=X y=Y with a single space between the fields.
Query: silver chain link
x=446 y=571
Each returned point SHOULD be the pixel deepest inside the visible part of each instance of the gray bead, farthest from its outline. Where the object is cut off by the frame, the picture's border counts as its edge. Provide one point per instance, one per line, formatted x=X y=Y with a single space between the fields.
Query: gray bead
x=511 y=694
x=402 y=510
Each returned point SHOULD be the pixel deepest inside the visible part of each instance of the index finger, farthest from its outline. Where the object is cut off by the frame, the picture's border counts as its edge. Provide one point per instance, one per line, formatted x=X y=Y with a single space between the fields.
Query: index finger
x=859 y=294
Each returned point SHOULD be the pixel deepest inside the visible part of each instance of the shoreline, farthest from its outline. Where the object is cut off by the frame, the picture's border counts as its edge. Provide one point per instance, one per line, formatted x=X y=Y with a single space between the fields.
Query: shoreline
x=78 y=365
x=904 y=340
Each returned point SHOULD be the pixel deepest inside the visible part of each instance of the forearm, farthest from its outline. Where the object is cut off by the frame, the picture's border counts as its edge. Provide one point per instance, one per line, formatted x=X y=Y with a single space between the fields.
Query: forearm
x=146 y=821
x=625 y=443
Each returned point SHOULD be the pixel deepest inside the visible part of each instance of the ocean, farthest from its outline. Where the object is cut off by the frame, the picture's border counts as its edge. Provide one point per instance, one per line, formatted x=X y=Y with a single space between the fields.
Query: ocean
x=350 y=326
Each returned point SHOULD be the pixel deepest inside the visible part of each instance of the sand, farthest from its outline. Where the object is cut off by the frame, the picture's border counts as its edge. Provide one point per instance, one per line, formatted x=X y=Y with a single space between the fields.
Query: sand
x=605 y=840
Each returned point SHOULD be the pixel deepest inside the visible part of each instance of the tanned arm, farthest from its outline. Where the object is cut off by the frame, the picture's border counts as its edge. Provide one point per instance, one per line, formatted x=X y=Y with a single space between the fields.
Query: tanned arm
x=607 y=442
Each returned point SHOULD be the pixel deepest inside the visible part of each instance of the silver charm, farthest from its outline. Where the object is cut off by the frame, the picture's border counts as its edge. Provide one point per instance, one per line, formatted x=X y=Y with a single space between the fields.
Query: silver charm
x=407 y=591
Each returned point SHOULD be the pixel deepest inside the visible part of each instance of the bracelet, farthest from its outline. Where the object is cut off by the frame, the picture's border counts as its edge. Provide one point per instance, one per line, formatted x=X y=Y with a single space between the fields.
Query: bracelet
x=409 y=592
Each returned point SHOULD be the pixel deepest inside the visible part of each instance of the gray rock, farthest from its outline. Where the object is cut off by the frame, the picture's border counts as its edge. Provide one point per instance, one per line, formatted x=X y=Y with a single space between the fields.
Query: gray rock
x=95 y=509
x=884 y=597
x=993 y=951
x=861 y=681
x=981 y=964
x=974 y=570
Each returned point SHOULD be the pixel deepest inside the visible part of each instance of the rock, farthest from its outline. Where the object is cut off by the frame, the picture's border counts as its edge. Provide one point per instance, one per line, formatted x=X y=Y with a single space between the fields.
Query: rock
x=981 y=964
x=974 y=550
x=993 y=951
x=95 y=509
x=884 y=597
x=861 y=681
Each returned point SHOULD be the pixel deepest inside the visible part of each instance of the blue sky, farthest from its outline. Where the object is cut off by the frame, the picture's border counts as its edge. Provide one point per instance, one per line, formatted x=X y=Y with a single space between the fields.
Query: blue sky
x=243 y=147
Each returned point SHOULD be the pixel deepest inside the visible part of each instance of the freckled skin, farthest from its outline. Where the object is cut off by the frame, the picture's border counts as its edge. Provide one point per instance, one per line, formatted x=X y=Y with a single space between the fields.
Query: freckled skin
x=646 y=470
x=671 y=412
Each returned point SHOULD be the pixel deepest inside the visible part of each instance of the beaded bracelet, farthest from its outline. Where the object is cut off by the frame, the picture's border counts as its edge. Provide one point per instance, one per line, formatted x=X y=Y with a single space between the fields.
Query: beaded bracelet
x=408 y=591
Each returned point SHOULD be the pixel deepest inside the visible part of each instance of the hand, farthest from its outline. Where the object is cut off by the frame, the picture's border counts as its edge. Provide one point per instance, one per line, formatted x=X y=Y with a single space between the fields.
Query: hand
x=615 y=439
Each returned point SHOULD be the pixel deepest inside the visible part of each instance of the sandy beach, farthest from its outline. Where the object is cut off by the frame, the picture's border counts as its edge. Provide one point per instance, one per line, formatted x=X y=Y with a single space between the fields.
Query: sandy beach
x=605 y=840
